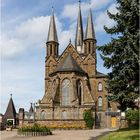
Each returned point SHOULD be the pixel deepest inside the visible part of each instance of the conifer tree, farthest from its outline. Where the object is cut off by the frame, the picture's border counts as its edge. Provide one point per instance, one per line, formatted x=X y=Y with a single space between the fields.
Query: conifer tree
x=121 y=54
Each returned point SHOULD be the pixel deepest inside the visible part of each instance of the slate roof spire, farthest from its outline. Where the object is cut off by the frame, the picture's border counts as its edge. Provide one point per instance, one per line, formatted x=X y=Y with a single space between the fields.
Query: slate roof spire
x=31 y=110
x=90 y=34
x=52 y=34
x=10 y=111
x=79 y=29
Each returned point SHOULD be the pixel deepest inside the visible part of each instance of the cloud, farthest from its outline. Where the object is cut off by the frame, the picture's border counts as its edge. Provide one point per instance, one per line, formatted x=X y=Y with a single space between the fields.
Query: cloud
x=103 y=19
x=70 y=10
x=10 y=46
x=31 y=34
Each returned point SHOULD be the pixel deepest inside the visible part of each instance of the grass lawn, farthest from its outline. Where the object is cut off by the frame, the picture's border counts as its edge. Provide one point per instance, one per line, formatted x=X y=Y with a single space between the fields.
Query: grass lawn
x=123 y=134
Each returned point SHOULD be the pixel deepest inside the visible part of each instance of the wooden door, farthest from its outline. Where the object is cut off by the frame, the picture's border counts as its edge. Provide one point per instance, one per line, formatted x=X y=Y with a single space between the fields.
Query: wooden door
x=113 y=122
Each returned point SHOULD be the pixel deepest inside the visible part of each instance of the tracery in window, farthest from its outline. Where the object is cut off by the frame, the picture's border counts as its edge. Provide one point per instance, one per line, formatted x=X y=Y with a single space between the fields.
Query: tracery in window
x=66 y=92
x=42 y=115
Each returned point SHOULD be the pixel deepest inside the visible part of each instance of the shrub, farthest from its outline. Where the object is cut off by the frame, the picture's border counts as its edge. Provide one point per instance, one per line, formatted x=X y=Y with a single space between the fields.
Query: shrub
x=9 y=122
x=34 y=128
x=132 y=115
x=88 y=118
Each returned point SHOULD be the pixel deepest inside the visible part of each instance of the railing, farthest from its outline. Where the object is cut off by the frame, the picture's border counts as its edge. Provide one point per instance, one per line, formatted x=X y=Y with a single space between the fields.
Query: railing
x=34 y=133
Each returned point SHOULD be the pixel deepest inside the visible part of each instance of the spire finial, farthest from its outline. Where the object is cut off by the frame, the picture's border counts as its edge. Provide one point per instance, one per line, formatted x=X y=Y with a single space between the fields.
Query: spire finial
x=52 y=34
x=52 y=9
x=70 y=41
x=11 y=95
x=79 y=2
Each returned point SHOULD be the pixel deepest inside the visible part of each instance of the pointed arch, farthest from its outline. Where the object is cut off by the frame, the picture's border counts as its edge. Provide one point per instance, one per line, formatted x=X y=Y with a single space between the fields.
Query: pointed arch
x=43 y=115
x=64 y=114
x=65 y=92
x=79 y=88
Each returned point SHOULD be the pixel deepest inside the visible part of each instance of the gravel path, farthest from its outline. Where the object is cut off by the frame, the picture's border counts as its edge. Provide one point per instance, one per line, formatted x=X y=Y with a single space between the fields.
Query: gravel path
x=59 y=135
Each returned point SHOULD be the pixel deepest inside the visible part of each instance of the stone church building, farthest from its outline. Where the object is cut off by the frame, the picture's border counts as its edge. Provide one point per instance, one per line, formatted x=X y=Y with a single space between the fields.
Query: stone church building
x=72 y=82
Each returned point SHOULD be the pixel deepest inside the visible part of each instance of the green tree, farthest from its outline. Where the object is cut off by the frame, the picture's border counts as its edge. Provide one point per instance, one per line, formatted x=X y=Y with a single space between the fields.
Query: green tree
x=132 y=115
x=88 y=118
x=121 y=54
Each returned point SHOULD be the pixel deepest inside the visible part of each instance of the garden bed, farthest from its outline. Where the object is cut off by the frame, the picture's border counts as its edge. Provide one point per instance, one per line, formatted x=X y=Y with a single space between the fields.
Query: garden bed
x=34 y=130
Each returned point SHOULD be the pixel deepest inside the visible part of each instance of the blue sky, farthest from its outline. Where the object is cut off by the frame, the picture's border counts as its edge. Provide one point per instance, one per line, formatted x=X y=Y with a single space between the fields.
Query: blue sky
x=24 y=29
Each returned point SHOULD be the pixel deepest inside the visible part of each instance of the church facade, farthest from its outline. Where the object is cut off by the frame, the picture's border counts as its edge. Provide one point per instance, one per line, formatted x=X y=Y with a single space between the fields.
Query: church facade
x=72 y=82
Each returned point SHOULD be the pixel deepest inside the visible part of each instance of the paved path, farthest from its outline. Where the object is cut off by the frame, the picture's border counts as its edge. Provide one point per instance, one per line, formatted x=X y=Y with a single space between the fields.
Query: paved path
x=58 y=135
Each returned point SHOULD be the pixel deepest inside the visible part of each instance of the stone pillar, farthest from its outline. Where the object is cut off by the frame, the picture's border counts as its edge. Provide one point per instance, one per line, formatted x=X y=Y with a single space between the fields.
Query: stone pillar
x=21 y=117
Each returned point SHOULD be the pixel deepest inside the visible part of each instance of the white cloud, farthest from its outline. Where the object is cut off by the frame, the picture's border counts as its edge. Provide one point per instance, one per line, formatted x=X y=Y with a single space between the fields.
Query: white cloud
x=70 y=11
x=10 y=46
x=30 y=34
x=103 y=19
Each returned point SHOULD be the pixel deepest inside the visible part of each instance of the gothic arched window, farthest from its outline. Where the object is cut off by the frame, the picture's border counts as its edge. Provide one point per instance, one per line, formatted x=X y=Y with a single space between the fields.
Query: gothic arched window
x=79 y=91
x=64 y=115
x=66 y=92
x=100 y=86
x=42 y=115
x=100 y=104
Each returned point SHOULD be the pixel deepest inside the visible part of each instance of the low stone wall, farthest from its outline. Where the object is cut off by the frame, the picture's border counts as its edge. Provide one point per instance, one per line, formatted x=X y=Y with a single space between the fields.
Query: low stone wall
x=60 y=124
x=34 y=133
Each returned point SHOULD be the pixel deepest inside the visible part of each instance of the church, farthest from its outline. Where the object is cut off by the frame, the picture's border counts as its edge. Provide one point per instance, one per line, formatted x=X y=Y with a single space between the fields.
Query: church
x=72 y=82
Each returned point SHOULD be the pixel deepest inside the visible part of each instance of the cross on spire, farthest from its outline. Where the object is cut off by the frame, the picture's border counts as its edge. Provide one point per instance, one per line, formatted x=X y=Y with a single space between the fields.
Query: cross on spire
x=11 y=95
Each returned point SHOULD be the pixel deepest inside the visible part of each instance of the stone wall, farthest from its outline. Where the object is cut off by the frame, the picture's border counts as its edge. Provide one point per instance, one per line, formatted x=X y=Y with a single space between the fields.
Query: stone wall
x=59 y=123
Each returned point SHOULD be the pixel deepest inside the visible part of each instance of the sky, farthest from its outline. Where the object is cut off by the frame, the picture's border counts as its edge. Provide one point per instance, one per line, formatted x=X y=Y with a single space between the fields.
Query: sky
x=24 y=29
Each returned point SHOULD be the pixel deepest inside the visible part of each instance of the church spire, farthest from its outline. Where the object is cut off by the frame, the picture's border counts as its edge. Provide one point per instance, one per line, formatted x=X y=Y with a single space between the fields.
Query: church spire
x=79 y=31
x=52 y=34
x=89 y=40
x=90 y=34
x=52 y=41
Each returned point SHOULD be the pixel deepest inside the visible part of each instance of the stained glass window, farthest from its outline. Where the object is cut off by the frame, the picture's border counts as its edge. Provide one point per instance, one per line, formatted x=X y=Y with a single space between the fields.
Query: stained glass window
x=66 y=92
x=42 y=115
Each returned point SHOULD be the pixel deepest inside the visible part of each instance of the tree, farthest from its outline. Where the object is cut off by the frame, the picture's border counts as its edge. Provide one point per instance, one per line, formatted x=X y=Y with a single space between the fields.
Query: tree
x=132 y=116
x=121 y=54
x=88 y=118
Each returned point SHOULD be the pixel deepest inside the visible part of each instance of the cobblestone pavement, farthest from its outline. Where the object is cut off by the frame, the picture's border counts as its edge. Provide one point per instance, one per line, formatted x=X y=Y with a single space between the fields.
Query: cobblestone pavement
x=58 y=135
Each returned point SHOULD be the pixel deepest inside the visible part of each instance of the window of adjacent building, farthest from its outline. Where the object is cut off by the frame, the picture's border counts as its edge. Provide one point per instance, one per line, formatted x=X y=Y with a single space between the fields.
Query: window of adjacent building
x=42 y=115
x=100 y=104
x=100 y=87
x=66 y=92
x=64 y=115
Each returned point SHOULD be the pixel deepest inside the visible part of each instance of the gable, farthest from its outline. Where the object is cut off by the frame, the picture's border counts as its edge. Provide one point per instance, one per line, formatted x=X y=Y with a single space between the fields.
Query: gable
x=70 y=49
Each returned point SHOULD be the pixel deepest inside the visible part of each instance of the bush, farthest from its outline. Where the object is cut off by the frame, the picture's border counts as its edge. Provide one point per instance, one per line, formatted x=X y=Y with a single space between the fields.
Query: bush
x=9 y=122
x=34 y=128
x=88 y=118
x=132 y=116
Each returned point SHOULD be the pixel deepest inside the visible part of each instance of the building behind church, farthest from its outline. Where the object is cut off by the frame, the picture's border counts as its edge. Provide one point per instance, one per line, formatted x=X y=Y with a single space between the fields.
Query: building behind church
x=72 y=82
